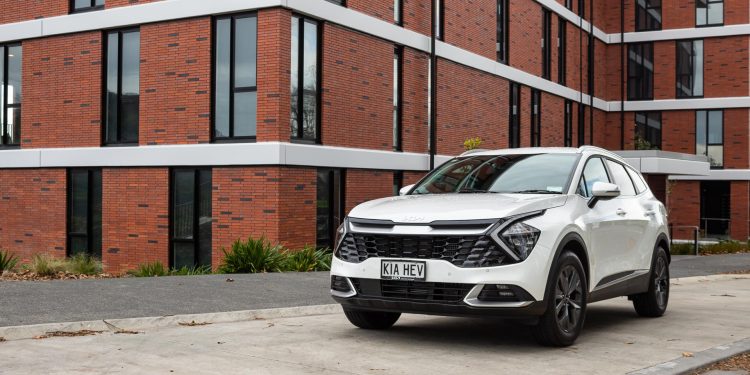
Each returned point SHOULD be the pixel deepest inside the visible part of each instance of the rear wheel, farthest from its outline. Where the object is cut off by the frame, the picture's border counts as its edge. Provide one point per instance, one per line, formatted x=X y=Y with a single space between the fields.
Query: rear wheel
x=654 y=302
x=371 y=319
x=562 y=322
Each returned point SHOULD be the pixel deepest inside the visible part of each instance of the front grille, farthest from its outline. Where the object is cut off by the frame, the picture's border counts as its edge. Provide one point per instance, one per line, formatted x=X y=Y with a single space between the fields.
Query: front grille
x=452 y=293
x=461 y=251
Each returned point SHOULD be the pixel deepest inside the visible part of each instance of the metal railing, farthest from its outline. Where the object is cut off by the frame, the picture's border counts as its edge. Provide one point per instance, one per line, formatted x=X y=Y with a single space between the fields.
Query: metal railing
x=696 y=232
x=713 y=220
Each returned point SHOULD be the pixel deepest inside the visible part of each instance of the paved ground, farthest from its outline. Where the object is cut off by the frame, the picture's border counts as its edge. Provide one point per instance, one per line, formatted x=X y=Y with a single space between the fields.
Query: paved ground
x=701 y=315
x=23 y=303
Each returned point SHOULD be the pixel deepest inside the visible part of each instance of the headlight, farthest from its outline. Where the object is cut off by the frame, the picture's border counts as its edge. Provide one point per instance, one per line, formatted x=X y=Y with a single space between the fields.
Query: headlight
x=520 y=238
x=340 y=233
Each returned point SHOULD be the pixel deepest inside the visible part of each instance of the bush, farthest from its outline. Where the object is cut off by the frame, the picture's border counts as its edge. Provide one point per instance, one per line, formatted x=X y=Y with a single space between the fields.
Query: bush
x=682 y=249
x=191 y=271
x=252 y=256
x=8 y=261
x=83 y=264
x=44 y=265
x=308 y=259
x=722 y=247
x=149 y=270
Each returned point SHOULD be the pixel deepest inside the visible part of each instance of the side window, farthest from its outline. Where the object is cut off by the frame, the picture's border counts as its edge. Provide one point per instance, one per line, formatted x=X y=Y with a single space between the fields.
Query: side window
x=640 y=185
x=593 y=172
x=621 y=178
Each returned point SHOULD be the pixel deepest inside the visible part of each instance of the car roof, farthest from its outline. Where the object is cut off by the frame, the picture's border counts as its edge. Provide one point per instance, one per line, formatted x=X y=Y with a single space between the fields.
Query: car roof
x=544 y=150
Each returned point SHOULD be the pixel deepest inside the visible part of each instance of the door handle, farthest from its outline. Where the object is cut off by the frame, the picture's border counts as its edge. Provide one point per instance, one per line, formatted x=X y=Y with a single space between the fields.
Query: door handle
x=621 y=212
x=650 y=213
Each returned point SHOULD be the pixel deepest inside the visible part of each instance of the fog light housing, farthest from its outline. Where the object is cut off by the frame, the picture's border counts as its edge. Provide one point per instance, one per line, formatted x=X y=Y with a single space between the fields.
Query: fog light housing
x=497 y=293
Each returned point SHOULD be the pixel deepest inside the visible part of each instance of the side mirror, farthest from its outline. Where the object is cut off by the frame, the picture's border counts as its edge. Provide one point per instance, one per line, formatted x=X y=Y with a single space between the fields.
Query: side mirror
x=405 y=189
x=603 y=190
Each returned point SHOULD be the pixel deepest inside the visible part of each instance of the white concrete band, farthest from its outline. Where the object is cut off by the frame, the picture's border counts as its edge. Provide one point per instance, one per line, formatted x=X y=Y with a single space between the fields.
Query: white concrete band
x=718 y=175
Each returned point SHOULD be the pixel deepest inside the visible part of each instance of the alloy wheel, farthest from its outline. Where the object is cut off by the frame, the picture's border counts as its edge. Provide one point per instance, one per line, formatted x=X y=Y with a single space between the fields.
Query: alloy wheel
x=661 y=281
x=568 y=298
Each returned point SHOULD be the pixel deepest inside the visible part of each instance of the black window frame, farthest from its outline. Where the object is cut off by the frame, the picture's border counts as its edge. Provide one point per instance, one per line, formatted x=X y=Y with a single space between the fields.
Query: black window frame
x=568 y=123
x=398 y=182
x=105 y=89
x=562 y=50
x=338 y=2
x=642 y=128
x=642 y=78
x=707 y=136
x=398 y=92
x=196 y=215
x=514 y=116
x=336 y=180
x=94 y=247
x=398 y=12
x=5 y=142
x=581 y=124
x=92 y=7
x=709 y=24
x=582 y=9
x=590 y=64
x=440 y=30
x=300 y=136
x=642 y=8
x=501 y=32
x=689 y=76
x=569 y=4
x=536 y=118
x=233 y=89
x=546 y=43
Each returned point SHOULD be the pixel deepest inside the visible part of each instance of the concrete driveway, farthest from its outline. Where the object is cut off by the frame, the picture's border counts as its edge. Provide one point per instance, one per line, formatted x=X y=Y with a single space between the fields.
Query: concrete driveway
x=702 y=314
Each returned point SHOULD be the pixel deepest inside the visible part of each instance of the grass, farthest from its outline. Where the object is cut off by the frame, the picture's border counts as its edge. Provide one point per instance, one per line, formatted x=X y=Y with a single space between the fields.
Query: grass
x=83 y=264
x=722 y=247
x=45 y=265
x=8 y=261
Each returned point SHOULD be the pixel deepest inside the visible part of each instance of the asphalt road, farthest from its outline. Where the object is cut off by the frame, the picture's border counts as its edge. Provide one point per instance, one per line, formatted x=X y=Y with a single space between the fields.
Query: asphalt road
x=702 y=314
x=23 y=303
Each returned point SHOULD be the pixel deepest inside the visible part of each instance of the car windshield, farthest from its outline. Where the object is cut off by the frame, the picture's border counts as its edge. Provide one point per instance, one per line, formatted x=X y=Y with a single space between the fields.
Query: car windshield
x=519 y=174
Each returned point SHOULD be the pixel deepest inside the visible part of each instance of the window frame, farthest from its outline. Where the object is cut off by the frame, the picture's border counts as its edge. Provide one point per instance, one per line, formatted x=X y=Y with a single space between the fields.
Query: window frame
x=398 y=12
x=398 y=100
x=105 y=89
x=581 y=125
x=645 y=9
x=337 y=202
x=708 y=132
x=536 y=118
x=644 y=126
x=562 y=45
x=300 y=136
x=613 y=178
x=232 y=89
x=640 y=76
x=4 y=106
x=546 y=43
x=338 y=2
x=91 y=176
x=708 y=24
x=568 y=123
x=398 y=182
x=440 y=26
x=196 y=213
x=501 y=32
x=602 y=160
x=514 y=115
x=679 y=94
x=93 y=7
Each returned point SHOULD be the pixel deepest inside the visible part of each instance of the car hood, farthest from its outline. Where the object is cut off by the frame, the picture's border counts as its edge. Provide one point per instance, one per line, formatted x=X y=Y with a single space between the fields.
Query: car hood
x=431 y=207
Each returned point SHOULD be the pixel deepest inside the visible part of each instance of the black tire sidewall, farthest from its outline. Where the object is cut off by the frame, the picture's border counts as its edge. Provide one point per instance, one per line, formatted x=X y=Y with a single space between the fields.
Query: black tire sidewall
x=566 y=258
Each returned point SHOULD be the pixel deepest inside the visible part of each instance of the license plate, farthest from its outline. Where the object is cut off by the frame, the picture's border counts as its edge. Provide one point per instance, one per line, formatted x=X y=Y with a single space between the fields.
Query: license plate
x=403 y=270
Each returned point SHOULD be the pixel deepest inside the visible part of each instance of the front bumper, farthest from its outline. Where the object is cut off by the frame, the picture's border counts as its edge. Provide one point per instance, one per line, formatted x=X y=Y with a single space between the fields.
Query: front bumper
x=430 y=308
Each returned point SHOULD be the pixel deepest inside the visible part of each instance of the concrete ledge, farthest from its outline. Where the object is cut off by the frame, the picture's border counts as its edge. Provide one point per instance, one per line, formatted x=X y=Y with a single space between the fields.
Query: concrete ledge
x=686 y=365
x=139 y=324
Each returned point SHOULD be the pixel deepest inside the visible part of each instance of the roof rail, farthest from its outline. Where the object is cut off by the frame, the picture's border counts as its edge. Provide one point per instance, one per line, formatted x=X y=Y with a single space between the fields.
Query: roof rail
x=474 y=151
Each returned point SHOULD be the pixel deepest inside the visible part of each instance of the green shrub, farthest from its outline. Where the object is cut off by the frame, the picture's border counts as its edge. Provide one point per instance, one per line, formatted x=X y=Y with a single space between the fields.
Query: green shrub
x=682 y=249
x=253 y=256
x=308 y=259
x=150 y=270
x=44 y=265
x=191 y=271
x=8 y=261
x=725 y=247
x=83 y=264
x=472 y=143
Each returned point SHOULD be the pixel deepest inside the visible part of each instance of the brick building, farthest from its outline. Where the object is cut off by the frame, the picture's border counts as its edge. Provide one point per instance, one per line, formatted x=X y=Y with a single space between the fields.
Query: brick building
x=164 y=130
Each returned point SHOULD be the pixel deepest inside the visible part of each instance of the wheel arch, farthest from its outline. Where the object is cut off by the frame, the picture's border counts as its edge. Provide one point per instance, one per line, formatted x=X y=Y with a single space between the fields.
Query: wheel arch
x=663 y=241
x=574 y=242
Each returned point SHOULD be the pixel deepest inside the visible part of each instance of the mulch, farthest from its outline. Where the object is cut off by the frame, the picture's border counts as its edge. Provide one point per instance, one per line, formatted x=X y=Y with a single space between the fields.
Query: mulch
x=737 y=363
x=32 y=276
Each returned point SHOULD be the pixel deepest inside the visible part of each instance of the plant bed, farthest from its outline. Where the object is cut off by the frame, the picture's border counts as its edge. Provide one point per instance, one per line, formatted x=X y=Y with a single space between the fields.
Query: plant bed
x=719 y=248
x=28 y=275
x=740 y=363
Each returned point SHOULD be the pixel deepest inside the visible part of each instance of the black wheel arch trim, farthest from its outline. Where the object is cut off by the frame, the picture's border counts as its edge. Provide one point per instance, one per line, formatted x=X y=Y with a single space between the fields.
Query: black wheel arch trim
x=569 y=238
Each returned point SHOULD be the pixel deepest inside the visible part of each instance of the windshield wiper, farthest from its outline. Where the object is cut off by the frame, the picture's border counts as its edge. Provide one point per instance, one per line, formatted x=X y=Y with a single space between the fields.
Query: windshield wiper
x=471 y=190
x=535 y=191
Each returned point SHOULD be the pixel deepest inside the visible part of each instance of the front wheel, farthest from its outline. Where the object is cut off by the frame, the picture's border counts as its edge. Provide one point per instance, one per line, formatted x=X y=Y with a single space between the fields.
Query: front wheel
x=562 y=322
x=376 y=320
x=653 y=303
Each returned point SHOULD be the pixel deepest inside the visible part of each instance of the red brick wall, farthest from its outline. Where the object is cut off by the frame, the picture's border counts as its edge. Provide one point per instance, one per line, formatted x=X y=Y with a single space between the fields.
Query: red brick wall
x=33 y=212
x=62 y=91
x=573 y=67
x=414 y=101
x=677 y=131
x=725 y=71
x=525 y=28
x=175 y=82
x=122 y=3
x=739 y=209
x=357 y=90
x=683 y=207
x=414 y=19
x=16 y=10
x=553 y=120
x=471 y=25
x=135 y=217
x=470 y=104
x=676 y=14
x=736 y=145
x=274 y=60
x=297 y=208
x=365 y=185
x=382 y=9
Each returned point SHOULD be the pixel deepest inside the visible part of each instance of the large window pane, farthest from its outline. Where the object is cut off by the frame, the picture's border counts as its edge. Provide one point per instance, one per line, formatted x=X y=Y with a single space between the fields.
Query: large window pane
x=205 y=217
x=79 y=202
x=689 y=68
x=85 y=212
x=715 y=127
x=10 y=95
x=123 y=86
x=113 y=88
x=648 y=130
x=304 y=77
x=709 y=12
x=245 y=50
x=330 y=204
x=191 y=214
x=502 y=31
x=397 y=61
x=640 y=71
x=13 y=127
x=85 y=5
x=183 y=255
x=295 y=76
x=709 y=136
x=245 y=109
x=15 y=59
x=184 y=199
x=648 y=15
x=222 y=85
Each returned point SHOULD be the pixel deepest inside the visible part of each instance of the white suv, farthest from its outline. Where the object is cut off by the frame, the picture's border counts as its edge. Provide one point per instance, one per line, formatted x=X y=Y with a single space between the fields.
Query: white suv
x=536 y=233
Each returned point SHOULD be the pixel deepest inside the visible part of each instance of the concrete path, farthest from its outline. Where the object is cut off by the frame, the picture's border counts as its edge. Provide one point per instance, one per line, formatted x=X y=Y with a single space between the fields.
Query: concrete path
x=703 y=313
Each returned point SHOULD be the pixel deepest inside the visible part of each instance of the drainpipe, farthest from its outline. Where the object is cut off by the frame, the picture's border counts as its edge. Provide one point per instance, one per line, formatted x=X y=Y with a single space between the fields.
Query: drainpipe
x=433 y=84
x=622 y=74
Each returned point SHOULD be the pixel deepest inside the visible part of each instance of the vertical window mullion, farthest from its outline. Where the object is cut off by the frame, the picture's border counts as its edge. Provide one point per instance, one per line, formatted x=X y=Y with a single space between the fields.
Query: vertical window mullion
x=231 y=76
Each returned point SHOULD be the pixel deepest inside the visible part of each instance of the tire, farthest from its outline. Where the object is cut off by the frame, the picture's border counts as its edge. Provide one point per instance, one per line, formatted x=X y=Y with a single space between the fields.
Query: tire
x=567 y=293
x=654 y=302
x=376 y=320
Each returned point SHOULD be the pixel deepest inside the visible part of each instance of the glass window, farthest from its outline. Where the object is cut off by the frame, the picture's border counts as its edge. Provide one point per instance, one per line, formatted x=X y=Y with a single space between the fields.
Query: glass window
x=640 y=185
x=397 y=116
x=709 y=136
x=546 y=43
x=85 y=212
x=648 y=130
x=398 y=182
x=568 y=132
x=440 y=16
x=592 y=173
x=122 y=86
x=11 y=58
x=621 y=177
x=398 y=12
x=304 y=79
x=648 y=15
x=86 y=5
x=330 y=204
x=514 y=133
x=689 y=68
x=536 y=118
x=709 y=12
x=235 y=91
x=640 y=71
x=562 y=49
x=339 y=2
x=501 y=174
x=581 y=124
x=191 y=218
x=502 y=31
